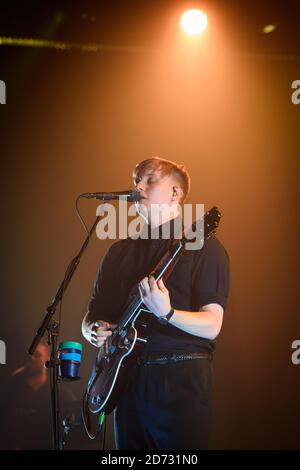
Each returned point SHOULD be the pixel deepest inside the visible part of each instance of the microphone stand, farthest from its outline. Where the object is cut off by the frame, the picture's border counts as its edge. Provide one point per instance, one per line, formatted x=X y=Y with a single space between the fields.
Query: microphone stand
x=52 y=326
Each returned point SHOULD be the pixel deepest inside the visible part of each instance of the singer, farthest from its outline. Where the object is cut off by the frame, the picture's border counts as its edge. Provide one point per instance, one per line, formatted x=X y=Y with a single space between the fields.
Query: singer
x=168 y=402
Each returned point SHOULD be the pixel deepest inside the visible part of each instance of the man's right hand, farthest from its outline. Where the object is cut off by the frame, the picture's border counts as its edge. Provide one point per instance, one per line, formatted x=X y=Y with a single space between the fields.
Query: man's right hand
x=100 y=331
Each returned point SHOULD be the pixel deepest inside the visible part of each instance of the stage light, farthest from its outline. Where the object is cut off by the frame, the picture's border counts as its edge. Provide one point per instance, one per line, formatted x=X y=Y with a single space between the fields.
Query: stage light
x=193 y=22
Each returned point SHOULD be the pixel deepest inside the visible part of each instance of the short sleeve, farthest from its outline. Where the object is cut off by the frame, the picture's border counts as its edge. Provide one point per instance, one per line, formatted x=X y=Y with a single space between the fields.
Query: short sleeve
x=211 y=275
x=99 y=302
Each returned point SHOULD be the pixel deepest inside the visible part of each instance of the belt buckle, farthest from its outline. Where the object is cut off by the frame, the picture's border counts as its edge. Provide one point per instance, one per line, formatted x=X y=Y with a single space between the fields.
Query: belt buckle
x=174 y=358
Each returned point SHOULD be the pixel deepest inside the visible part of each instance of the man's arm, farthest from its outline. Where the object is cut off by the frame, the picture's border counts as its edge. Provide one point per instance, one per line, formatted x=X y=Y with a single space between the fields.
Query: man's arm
x=96 y=331
x=87 y=325
x=205 y=323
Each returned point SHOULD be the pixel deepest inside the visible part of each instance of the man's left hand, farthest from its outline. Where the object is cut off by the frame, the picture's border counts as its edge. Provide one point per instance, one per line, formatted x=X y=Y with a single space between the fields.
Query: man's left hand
x=155 y=296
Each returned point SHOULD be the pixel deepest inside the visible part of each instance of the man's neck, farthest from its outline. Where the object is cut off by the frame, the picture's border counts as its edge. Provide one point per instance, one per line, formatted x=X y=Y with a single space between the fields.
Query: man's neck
x=162 y=218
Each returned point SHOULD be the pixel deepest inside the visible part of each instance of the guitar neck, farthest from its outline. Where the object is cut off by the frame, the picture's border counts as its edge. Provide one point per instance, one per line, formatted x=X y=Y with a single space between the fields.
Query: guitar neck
x=161 y=269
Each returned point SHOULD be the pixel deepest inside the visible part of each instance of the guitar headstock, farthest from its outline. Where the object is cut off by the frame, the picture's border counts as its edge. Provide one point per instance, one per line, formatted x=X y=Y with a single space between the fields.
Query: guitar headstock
x=211 y=221
x=204 y=228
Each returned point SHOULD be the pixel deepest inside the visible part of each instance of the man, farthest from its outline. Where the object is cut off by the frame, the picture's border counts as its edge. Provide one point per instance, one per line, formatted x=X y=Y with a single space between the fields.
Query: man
x=168 y=402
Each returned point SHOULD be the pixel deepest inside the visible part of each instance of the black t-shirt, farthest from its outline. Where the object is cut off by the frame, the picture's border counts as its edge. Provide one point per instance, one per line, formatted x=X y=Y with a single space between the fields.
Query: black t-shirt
x=199 y=278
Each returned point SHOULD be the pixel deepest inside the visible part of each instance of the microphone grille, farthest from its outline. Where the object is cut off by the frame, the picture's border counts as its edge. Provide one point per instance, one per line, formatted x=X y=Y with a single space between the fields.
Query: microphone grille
x=134 y=196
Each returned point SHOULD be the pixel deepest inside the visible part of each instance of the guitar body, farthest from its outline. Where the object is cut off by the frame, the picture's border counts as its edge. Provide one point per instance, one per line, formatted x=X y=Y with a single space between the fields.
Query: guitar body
x=110 y=372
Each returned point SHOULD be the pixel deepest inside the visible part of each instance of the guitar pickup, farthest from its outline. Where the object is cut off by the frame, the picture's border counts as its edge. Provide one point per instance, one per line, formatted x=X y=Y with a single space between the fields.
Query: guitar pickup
x=96 y=400
x=111 y=349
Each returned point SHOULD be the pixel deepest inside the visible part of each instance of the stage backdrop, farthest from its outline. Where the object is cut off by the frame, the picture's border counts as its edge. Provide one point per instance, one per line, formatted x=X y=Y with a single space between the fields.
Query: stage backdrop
x=77 y=121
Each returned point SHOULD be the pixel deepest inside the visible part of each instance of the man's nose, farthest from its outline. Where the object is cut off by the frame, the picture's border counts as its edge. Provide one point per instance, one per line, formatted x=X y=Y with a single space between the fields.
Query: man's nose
x=141 y=186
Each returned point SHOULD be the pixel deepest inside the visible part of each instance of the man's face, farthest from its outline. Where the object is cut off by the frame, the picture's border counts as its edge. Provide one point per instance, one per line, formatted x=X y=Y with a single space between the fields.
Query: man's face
x=157 y=196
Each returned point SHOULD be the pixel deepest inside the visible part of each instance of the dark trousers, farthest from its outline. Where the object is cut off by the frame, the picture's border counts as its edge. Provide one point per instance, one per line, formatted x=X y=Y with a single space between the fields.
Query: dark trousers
x=166 y=407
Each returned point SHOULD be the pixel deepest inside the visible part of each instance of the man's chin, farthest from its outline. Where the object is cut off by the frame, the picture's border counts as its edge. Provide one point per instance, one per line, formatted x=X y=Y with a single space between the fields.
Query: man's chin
x=142 y=210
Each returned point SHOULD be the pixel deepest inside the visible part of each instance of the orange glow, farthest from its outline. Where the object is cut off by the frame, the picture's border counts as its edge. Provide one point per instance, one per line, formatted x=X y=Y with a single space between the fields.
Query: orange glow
x=193 y=22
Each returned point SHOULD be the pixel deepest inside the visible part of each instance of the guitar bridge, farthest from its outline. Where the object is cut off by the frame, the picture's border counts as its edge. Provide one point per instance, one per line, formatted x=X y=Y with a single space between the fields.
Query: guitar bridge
x=96 y=400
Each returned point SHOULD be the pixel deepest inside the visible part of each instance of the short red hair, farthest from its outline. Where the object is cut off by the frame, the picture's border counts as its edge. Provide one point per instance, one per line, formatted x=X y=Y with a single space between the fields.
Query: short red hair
x=167 y=168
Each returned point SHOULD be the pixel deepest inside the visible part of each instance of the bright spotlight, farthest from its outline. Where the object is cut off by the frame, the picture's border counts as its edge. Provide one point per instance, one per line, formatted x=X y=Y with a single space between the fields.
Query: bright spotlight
x=193 y=22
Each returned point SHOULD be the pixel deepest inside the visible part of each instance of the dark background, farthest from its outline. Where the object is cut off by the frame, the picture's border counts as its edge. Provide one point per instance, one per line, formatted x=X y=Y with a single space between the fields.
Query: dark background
x=78 y=121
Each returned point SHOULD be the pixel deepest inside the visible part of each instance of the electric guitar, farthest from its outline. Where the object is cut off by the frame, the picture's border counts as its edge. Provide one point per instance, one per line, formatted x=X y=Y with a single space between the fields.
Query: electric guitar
x=113 y=360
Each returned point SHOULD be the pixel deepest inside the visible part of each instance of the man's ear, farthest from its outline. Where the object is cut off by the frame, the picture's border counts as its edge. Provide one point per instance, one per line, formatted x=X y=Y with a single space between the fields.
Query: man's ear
x=177 y=193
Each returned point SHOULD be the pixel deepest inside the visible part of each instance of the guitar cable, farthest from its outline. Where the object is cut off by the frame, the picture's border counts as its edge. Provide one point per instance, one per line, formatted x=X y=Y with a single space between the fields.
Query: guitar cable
x=102 y=421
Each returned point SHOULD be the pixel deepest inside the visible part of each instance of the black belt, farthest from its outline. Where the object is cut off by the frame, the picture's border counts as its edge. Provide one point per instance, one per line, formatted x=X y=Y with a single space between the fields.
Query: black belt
x=171 y=358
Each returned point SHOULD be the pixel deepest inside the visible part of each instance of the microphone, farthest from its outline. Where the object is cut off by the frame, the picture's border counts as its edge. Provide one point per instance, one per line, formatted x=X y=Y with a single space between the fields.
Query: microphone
x=132 y=195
